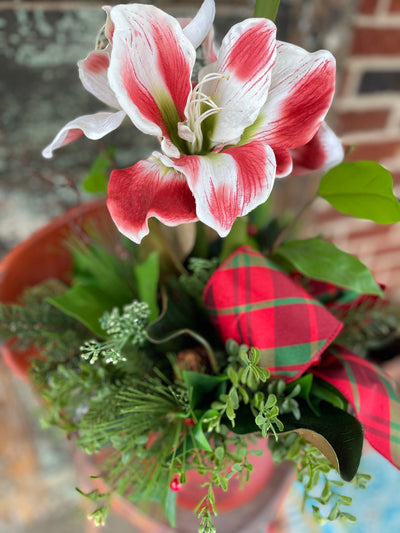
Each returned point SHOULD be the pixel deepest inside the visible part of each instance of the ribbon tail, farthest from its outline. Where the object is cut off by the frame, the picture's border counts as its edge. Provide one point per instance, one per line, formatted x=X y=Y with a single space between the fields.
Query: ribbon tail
x=374 y=396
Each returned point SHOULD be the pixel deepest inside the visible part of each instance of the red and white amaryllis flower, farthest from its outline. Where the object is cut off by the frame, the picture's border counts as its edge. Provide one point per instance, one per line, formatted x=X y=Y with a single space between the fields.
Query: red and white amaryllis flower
x=256 y=112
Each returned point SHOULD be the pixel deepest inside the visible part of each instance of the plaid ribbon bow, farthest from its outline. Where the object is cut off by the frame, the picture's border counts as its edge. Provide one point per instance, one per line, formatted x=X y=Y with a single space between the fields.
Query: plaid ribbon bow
x=253 y=302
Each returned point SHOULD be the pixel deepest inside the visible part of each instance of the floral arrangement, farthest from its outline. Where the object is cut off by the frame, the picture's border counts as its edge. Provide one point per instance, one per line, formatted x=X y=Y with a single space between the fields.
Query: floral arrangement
x=179 y=357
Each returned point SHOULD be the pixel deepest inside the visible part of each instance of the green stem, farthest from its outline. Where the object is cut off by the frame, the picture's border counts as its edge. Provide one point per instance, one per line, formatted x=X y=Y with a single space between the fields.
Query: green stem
x=266 y=9
x=286 y=230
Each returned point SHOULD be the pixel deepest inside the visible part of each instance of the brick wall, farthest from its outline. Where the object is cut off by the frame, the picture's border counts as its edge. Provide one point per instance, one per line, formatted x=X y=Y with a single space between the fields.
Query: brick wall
x=368 y=118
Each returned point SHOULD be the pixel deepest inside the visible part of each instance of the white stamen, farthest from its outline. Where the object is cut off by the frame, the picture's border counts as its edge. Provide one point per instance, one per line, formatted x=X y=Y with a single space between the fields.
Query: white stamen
x=198 y=100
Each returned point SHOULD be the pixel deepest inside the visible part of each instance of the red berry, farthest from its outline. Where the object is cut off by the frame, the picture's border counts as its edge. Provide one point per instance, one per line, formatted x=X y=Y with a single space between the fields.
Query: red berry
x=175 y=485
x=188 y=421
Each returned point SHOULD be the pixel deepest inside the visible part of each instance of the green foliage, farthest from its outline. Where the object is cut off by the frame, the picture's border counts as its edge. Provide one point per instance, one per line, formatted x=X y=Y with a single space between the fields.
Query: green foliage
x=36 y=323
x=267 y=9
x=147 y=276
x=316 y=474
x=121 y=329
x=101 y=281
x=321 y=260
x=200 y=272
x=96 y=180
x=369 y=326
x=362 y=189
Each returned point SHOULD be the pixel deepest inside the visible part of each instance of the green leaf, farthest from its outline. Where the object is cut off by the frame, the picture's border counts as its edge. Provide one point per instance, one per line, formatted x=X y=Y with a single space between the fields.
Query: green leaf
x=200 y=438
x=203 y=387
x=321 y=260
x=96 y=180
x=267 y=9
x=338 y=435
x=363 y=189
x=323 y=391
x=170 y=507
x=147 y=275
x=86 y=304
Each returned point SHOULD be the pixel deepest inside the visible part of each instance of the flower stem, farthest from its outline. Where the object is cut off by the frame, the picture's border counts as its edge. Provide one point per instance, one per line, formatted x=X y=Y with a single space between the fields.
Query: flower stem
x=267 y=9
x=286 y=230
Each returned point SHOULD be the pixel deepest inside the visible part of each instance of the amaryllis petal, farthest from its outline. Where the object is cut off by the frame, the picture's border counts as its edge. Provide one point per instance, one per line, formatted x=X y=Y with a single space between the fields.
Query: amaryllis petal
x=284 y=162
x=93 y=75
x=229 y=184
x=243 y=70
x=148 y=189
x=324 y=151
x=199 y=27
x=208 y=44
x=299 y=97
x=93 y=126
x=150 y=68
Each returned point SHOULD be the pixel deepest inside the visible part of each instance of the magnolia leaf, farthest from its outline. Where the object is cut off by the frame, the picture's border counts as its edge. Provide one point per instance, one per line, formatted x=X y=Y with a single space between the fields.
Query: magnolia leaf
x=181 y=318
x=147 y=275
x=363 y=189
x=337 y=435
x=321 y=260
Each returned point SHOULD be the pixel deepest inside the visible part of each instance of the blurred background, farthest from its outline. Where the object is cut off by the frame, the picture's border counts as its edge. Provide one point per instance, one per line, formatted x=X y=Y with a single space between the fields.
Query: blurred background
x=40 y=43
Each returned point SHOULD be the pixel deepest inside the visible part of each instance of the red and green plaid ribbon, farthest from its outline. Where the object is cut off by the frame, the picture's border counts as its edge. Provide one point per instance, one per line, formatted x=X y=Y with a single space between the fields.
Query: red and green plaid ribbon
x=253 y=302
x=375 y=398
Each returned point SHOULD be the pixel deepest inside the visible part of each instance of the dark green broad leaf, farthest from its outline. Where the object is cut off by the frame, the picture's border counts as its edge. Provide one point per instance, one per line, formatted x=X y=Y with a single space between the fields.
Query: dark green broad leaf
x=363 y=189
x=97 y=178
x=338 y=435
x=321 y=260
x=204 y=388
x=147 y=275
x=181 y=317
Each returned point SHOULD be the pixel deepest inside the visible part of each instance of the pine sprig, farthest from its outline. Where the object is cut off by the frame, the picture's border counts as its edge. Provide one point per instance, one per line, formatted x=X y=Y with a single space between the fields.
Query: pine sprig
x=36 y=323
x=369 y=325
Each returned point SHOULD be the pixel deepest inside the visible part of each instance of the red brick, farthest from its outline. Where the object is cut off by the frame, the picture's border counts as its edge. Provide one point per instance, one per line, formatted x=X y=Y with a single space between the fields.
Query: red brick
x=367 y=7
x=362 y=120
x=376 y=41
x=395 y=6
x=374 y=151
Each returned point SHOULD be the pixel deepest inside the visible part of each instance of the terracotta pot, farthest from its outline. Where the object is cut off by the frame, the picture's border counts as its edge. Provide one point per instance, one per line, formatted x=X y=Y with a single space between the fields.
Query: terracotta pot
x=44 y=255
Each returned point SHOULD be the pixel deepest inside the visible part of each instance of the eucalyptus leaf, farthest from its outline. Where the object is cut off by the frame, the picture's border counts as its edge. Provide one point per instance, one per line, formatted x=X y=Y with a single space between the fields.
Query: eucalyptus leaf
x=321 y=260
x=363 y=189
